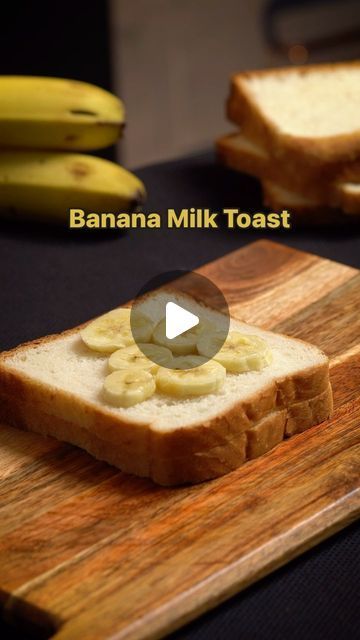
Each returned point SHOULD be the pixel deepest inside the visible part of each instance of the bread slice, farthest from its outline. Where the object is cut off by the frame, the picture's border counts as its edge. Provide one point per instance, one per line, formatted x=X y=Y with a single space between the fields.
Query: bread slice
x=347 y=189
x=307 y=116
x=238 y=152
x=53 y=386
x=277 y=197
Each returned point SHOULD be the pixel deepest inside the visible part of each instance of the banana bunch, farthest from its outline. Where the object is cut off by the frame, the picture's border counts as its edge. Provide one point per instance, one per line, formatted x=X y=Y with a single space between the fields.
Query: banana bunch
x=44 y=124
x=180 y=367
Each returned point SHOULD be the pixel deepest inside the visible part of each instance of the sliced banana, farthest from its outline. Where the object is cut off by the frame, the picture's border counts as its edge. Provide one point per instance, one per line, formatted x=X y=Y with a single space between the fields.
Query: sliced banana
x=113 y=331
x=181 y=345
x=239 y=353
x=160 y=355
x=147 y=357
x=206 y=378
x=142 y=327
x=128 y=387
x=188 y=362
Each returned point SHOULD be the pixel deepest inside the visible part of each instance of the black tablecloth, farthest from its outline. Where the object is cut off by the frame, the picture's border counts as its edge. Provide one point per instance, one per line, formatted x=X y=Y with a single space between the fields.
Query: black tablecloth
x=52 y=279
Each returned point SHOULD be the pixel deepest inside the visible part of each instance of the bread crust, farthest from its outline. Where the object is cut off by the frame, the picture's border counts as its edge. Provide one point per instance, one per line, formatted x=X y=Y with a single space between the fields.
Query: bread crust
x=264 y=168
x=266 y=434
x=139 y=447
x=312 y=213
x=273 y=199
x=350 y=201
x=191 y=467
x=324 y=155
x=301 y=415
x=323 y=195
x=324 y=192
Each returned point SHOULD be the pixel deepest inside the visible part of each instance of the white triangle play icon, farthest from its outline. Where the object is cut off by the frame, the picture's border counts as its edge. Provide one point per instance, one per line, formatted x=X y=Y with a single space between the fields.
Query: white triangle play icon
x=178 y=320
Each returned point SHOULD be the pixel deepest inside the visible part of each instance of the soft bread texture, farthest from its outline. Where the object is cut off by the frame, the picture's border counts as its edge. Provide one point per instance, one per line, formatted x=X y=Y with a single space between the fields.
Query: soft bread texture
x=306 y=115
x=53 y=386
x=238 y=152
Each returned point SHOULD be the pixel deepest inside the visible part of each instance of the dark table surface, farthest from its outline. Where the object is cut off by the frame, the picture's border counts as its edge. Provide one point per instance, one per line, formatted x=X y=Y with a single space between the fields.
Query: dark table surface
x=52 y=279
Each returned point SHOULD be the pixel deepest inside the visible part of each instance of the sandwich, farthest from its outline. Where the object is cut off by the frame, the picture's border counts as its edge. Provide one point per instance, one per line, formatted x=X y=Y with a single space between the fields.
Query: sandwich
x=176 y=411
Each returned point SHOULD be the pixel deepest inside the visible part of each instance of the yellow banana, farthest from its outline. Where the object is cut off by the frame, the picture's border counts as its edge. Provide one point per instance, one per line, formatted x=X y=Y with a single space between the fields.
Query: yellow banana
x=183 y=344
x=207 y=377
x=54 y=113
x=126 y=388
x=46 y=185
x=108 y=332
x=112 y=331
x=131 y=357
x=239 y=353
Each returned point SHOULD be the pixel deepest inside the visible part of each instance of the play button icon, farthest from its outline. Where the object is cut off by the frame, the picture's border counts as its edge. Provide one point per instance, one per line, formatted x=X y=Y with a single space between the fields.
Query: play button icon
x=172 y=312
x=178 y=320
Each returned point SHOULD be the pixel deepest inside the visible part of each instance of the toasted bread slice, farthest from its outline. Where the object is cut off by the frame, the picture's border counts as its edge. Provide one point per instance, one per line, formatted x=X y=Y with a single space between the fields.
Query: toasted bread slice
x=53 y=386
x=308 y=116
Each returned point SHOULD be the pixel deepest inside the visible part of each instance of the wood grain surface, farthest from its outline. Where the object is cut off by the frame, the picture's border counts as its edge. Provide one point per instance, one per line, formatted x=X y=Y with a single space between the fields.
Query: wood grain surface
x=88 y=553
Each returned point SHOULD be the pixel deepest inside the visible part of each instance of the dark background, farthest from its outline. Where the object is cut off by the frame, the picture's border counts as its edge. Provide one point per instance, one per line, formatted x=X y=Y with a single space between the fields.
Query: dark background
x=61 y=39
x=42 y=270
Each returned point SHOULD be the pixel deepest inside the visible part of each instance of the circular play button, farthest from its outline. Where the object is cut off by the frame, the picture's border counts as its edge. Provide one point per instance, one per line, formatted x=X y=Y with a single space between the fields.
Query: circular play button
x=180 y=319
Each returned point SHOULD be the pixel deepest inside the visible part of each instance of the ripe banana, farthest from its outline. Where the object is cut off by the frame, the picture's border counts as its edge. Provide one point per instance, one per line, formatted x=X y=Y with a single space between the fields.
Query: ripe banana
x=108 y=332
x=127 y=387
x=131 y=357
x=113 y=331
x=134 y=365
x=187 y=362
x=161 y=355
x=54 y=113
x=239 y=353
x=206 y=378
x=182 y=344
x=46 y=185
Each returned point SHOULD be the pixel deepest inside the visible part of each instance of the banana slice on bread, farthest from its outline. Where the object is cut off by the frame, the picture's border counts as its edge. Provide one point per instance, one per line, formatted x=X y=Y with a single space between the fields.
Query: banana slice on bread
x=112 y=331
x=141 y=357
x=181 y=367
x=128 y=387
x=239 y=353
x=183 y=344
x=208 y=377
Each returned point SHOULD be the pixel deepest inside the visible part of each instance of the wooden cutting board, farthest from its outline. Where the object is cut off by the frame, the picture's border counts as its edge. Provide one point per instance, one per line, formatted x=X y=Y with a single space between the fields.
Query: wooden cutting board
x=88 y=553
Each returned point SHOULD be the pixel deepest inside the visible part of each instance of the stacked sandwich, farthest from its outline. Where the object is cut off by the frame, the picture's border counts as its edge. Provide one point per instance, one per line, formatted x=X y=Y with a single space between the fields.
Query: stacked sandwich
x=140 y=408
x=300 y=135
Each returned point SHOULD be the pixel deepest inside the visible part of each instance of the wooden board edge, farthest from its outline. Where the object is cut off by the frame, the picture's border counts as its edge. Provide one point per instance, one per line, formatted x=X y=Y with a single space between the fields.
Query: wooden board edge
x=272 y=245
x=229 y=582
